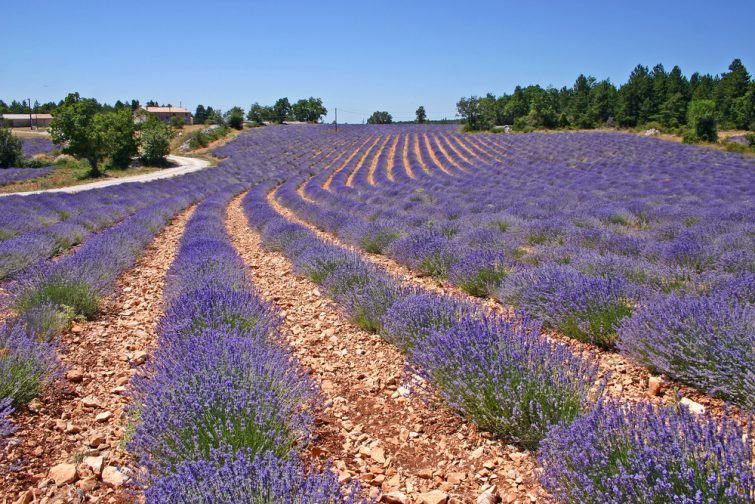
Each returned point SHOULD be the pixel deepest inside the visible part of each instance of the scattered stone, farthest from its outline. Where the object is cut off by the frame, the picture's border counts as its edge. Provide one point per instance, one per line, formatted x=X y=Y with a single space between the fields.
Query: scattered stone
x=87 y=484
x=91 y=402
x=63 y=474
x=456 y=477
x=113 y=477
x=378 y=455
x=96 y=440
x=139 y=358
x=693 y=406
x=75 y=375
x=26 y=498
x=394 y=498
x=104 y=416
x=434 y=497
x=490 y=496
x=425 y=473
x=95 y=463
x=654 y=386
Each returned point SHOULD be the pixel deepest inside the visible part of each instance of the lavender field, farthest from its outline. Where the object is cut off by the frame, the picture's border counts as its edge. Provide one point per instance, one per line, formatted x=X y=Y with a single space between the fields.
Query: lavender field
x=399 y=313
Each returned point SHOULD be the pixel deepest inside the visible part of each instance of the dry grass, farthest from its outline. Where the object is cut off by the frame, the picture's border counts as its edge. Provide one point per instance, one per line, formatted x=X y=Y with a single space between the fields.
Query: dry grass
x=65 y=176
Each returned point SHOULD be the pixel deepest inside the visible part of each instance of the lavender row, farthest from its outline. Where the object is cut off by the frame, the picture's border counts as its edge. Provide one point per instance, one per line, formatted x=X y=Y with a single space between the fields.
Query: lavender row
x=224 y=408
x=509 y=380
x=592 y=283
x=12 y=175
x=503 y=374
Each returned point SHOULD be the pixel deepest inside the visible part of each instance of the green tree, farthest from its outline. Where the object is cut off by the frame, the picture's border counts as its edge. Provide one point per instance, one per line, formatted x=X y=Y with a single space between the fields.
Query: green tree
x=10 y=149
x=309 y=110
x=603 y=102
x=579 y=103
x=200 y=115
x=176 y=122
x=476 y=112
x=255 y=114
x=155 y=141
x=732 y=86
x=73 y=128
x=281 y=110
x=380 y=117
x=235 y=118
x=635 y=98
x=701 y=119
x=421 y=115
x=743 y=110
x=118 y=134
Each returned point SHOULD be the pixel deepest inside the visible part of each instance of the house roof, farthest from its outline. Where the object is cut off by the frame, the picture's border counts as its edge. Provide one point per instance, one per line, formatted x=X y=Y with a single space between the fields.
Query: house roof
x=14 y=117
x=173 y=110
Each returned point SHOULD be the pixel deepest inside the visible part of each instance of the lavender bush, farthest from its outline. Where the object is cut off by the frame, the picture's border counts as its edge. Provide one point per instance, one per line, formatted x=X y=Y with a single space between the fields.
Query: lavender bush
x=247 y=479
x=412 y=318
x=13 y=175
x=506 y=377
x=26 y=364
x=707 y=342
x=585 y=308
x=479 y=273
x=638 y=453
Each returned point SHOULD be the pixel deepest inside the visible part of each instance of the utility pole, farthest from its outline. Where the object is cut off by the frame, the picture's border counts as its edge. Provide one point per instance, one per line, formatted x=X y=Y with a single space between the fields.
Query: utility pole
x=336 y=119
x=31 y=121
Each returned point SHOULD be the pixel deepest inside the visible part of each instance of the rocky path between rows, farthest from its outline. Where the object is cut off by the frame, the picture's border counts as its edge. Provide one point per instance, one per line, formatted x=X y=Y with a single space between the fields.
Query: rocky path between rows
x=374 y=425
x=69 y=442
x=626 y=380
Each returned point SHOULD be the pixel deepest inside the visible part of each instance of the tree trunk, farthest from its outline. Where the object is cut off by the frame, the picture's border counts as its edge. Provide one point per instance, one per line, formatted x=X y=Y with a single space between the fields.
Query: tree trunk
x=95 y=169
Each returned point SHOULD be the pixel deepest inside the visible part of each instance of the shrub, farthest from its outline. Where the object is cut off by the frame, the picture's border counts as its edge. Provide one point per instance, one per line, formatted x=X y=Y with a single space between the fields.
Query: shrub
x=76 y=297
x=585 y=308
x=11 y=153
x=479 y=273
x=320 y=260
x=244 y=478
x=707 y=342
x=155 y=141
x=506 y=377
x=701 y=119
x=27 y=364
x=413 y=317
x=635 y=452
x=218 y=390
x=367 y=304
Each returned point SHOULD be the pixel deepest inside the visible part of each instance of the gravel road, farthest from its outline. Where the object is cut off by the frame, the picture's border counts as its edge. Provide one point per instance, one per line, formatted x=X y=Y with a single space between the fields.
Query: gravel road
x=185 y=165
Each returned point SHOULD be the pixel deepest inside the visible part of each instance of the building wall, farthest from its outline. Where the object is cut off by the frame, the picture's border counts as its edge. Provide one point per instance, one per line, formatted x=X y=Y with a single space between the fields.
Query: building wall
x=24 y=123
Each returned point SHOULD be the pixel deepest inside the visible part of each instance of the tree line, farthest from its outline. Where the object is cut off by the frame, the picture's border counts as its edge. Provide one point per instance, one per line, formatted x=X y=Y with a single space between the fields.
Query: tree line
x=650 y=97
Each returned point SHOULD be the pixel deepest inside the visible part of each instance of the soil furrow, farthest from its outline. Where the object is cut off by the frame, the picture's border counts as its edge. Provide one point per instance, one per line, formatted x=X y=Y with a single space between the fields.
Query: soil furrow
x=374 y=425
x=625 y=379
x=79 y=421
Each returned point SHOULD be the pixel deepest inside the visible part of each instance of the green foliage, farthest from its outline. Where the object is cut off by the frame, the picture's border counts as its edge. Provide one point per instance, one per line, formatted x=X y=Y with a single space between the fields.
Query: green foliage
x=281 y=110
x=309 y=110
x=701 y=118
x=176 y=122
x=73 y=298
x=477 y=112
x=155 y=141
x=117 y=133
x=235 y=118
x=380 y=117
x=205 y=137
x=421 y=115
x=10 y=149
x=73 y=127
x=258 y=114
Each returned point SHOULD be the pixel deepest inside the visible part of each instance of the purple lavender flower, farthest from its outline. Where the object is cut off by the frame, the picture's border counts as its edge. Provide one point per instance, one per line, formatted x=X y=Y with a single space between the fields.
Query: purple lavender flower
x=480 y=273
x=506 y=377
x=585 y=308
x=705 y=341
x=635 y=452
x=27 y=364
x=244 y=478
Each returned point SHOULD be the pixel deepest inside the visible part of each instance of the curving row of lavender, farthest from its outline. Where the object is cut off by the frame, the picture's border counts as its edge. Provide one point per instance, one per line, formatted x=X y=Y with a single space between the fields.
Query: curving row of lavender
x=33 y=146
x=619 y=241
x=223 y=408
x=511 y=380
x=12 y=175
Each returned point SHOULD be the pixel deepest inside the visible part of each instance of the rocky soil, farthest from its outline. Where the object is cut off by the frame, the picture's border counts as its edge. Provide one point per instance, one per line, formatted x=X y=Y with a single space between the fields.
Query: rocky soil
x=69 y=442
x=374 y=424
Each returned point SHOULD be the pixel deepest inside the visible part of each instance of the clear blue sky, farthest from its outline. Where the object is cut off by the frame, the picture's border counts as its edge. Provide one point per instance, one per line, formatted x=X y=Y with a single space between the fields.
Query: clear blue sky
x=359 y=56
